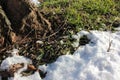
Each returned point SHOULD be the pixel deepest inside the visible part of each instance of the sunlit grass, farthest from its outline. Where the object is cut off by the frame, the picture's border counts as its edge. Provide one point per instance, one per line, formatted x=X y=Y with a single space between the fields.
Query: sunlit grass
x=76 y=15
x=91 y=14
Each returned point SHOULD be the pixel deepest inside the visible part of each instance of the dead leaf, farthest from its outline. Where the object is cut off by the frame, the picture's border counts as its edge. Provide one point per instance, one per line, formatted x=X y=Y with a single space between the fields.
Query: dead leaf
x=31 y=67
x=14 y=68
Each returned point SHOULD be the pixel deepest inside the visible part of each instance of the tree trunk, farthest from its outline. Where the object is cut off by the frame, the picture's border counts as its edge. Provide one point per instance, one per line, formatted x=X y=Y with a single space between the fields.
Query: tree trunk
x=5 y=28
x=23 y=20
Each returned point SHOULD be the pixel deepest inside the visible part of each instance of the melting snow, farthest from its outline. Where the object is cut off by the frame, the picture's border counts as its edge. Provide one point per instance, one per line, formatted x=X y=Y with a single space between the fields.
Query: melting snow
x=89 y=62
x=98 y=60
x=14 y=60
x=5 y=65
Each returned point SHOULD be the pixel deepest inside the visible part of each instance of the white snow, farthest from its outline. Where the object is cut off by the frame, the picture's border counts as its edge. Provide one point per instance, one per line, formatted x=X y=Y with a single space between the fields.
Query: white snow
x=36 y=2
x=5 y=65
x=39 y=42
x=97 y=60
x=118 y=29
x=89 y=62
x=13 y=52
x=43 y=68
x=77 y=37
x=14 y=60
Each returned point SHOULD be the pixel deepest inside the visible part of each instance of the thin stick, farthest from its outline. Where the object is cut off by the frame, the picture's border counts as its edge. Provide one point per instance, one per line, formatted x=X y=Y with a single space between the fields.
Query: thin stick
x=110 y=43
x=26 y=36
x=56 y=31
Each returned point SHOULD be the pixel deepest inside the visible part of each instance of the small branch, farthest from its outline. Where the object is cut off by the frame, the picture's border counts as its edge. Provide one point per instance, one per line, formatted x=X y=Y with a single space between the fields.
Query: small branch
x=110 y=43
x=46 y=21
x=61 y=26
x=26 y=36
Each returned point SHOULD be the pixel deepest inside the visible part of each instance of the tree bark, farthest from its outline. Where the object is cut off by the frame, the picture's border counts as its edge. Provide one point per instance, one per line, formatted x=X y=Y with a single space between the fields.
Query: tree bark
x=5 y=28
x=23 y=19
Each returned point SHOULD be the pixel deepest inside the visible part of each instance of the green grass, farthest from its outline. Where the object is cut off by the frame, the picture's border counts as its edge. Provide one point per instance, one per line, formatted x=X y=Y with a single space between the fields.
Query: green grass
x=84 y=14
x=70 y=16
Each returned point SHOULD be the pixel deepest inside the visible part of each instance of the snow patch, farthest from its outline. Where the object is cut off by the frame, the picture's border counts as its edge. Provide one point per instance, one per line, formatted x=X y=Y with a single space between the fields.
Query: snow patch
x=13 y=52
x=89 y=62
x=14 y=60
x=43 y=68
x=98 y=60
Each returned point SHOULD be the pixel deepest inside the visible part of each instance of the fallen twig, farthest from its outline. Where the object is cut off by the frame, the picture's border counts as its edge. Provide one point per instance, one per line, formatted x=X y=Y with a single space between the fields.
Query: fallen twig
x=110 y=43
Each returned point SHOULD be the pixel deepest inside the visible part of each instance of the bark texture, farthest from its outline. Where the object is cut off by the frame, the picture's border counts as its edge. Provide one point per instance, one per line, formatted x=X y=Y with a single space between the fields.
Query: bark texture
x=5 y=28
x=21 y=18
